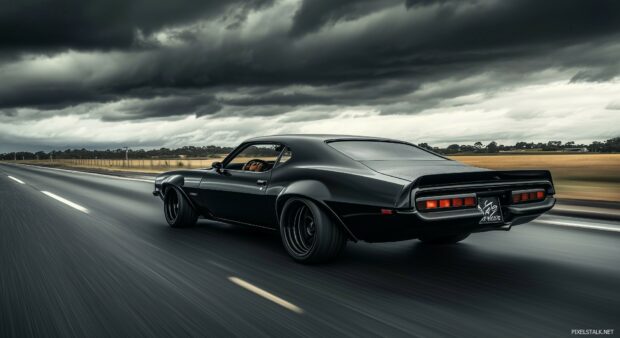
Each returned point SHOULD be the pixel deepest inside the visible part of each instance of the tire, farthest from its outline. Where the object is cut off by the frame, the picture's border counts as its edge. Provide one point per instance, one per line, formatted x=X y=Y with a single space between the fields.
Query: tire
x=177 y=210
x=442 y=240
x=308 y=233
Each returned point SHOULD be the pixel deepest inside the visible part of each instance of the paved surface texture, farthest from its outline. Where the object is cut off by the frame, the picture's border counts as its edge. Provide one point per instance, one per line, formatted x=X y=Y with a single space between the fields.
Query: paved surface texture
x=114 y=268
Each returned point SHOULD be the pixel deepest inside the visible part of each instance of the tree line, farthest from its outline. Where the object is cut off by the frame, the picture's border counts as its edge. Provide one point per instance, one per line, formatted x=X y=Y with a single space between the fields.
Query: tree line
x=608 y=146
x=188 y=151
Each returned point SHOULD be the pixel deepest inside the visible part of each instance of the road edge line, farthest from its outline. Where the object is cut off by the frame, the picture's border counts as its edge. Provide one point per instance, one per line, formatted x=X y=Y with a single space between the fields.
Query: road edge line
x=88 y=173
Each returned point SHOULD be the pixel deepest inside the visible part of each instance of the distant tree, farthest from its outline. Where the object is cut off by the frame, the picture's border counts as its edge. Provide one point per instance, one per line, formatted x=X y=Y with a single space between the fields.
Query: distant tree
x=425 y=146
x=521 y=145
x=492 y=147
x=552 y=146
x=478 y=145
x=465 y=148
x=453 y=148
x=612 y=145
x=596 y=147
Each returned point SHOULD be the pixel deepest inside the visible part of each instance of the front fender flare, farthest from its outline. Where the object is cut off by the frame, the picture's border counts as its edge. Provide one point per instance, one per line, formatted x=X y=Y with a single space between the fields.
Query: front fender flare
x=176 y=182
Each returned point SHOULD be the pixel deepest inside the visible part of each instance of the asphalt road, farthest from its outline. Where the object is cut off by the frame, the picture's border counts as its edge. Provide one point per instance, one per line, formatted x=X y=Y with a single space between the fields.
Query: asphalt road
x=107 y=264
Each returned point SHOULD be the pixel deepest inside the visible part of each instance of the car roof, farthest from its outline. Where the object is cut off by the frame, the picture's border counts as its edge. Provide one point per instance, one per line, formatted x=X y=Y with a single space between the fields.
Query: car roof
x=316 y=137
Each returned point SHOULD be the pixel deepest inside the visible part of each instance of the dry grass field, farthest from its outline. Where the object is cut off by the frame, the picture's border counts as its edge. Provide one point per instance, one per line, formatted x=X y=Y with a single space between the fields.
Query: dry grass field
x=133 y=165
x=577 y=176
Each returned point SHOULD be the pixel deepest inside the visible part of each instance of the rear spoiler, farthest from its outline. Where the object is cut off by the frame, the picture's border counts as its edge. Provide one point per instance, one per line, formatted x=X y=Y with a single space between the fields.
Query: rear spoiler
x=476 y=177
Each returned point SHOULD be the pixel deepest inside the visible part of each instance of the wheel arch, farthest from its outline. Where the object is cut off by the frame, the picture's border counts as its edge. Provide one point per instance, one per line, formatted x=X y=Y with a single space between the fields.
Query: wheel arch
x=316 y=192
x=176 y=182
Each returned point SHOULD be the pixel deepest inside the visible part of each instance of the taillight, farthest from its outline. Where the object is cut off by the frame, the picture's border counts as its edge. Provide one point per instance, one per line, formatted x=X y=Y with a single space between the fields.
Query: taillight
x=523 y=196
x=446 y=202
x=430 y=204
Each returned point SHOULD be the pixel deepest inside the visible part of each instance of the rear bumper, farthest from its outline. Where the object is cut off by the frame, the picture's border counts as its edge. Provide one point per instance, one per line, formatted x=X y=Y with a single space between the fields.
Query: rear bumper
x=371 y=225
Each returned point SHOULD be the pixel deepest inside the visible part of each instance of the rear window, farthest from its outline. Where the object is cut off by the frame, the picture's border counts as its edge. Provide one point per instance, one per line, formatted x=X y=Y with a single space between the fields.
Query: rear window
x=381 y=151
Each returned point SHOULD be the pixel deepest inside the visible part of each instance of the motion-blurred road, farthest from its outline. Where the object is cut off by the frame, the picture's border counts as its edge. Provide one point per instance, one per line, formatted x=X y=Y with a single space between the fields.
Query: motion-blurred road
x=91 y=255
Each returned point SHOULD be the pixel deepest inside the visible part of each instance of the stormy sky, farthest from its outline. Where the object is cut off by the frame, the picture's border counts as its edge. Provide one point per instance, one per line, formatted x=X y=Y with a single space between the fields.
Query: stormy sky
x=152 y=73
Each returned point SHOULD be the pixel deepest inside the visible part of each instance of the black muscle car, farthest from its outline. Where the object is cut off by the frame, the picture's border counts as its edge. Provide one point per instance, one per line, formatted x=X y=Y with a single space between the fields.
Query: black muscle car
x=319 y=191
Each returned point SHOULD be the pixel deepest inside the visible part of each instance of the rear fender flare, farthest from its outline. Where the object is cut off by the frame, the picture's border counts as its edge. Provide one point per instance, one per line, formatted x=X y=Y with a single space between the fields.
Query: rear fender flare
x=315 y=191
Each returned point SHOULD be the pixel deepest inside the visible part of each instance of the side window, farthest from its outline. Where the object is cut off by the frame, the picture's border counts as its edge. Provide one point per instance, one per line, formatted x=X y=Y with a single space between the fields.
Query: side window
x=286 y=155
x=255 y=157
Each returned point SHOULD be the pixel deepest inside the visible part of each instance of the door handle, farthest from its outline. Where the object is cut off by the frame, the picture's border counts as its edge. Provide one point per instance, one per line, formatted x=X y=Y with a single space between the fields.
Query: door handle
x=261 y=182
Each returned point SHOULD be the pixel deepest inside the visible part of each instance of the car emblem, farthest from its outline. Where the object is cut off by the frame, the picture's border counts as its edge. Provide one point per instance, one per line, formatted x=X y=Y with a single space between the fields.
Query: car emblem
x=491 y=212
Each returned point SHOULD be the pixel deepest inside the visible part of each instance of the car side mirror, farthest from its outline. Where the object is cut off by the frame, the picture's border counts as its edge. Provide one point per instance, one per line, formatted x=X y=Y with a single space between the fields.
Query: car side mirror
x=217 y=166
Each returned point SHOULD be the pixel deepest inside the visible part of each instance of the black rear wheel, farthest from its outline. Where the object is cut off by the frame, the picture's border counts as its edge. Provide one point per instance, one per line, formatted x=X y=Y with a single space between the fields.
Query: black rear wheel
x=440 y=240
x=309 y=235
x=177 y=210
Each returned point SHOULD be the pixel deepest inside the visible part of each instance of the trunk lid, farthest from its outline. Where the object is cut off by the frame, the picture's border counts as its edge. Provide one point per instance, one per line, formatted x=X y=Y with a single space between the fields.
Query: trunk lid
x=410 y=170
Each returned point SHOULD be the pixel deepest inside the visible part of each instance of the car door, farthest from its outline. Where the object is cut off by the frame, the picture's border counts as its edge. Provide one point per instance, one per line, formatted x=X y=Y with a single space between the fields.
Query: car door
x=237 y=192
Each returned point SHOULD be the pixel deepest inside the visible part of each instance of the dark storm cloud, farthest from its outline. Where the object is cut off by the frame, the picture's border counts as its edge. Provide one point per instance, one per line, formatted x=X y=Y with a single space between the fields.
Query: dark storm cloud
x=50 y=25
x=395 y=48
x=314 y=14
x=198 y=105
x=347 y=94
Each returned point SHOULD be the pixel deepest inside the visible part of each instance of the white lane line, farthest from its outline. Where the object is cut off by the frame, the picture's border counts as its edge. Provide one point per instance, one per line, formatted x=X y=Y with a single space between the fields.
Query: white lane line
x=16 y=180
x=266 y=295
x=94 y=174
x=66 y=201
x=590 y=210
x=578 y=225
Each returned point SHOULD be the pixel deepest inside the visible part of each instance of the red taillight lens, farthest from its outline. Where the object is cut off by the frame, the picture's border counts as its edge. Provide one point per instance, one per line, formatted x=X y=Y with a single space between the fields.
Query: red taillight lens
x=527 y=196
x=444 y=203
x=469 y=201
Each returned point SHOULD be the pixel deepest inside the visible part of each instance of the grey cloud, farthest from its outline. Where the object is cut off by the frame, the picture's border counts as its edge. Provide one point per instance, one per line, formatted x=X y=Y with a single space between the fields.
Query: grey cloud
x=384 y=62
x=318 y=113
x=199 y=105
x=595 y=75
x=314 y=14
x=613 y=105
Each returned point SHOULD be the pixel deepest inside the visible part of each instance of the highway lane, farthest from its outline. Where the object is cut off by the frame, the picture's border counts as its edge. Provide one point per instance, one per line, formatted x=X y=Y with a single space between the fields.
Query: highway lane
x=116 y=268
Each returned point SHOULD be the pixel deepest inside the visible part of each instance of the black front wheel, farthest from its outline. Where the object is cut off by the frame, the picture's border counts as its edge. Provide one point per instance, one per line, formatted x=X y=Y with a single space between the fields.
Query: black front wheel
x=308 y=233
x=179 y=213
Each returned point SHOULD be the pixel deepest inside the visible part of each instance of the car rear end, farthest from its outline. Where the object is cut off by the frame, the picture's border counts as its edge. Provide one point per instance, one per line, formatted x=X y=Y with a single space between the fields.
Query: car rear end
x=441 y=196
x=480 y=201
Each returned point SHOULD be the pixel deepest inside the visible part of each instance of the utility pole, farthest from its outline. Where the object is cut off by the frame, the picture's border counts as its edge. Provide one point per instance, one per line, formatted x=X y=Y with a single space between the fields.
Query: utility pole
x=126 y=156
x=15 y=153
